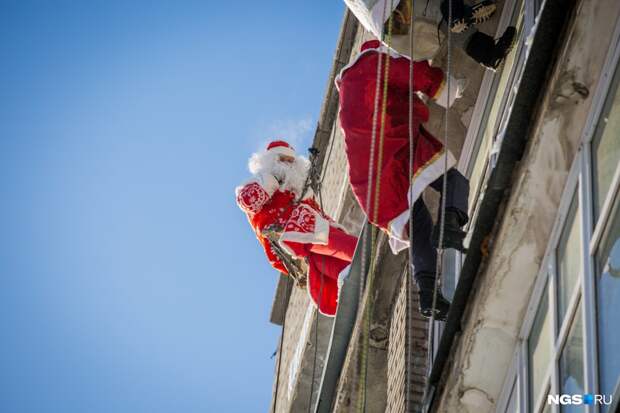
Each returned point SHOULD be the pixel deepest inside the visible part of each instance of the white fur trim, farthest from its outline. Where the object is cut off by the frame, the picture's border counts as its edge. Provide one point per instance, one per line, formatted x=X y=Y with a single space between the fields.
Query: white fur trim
x=319 y=236
x=344 y=274
x=291 y=176
x=283 y=150
x=431 y=172
x=268 y=182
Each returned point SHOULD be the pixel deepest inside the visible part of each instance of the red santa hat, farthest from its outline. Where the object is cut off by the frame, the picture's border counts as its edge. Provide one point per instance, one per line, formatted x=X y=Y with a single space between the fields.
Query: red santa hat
x=281 y=147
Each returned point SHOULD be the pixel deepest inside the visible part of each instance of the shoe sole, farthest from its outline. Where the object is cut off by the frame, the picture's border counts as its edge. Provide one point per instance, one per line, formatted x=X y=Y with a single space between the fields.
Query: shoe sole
x=438 y=317
x=460 y=26
x=482 y=13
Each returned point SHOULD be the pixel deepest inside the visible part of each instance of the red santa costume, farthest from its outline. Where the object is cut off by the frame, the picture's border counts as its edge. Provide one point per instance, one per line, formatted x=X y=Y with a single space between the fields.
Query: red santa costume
x=271 y=199
x=357 y=87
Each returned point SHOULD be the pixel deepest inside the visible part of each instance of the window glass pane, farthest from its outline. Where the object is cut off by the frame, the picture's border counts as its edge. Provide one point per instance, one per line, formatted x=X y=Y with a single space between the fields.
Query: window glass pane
x=571 y=364
x=513 y=401
x=606 y=146
x=568 y=259
x=448 y=273
x=608 y=271
x=539 y=348
x=494 y=107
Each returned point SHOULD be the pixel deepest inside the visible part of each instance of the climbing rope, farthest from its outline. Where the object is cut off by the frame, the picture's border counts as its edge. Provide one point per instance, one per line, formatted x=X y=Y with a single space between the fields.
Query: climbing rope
x=318 y=184
x=410 y=274
x=280 y=347
x=316 y=338
x=294 y=270
x=367 y=310
x=442 y=217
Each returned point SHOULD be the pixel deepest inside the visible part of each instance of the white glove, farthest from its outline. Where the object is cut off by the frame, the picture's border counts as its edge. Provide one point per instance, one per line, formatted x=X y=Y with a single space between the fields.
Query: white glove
x=268 y=182
x=457 y=86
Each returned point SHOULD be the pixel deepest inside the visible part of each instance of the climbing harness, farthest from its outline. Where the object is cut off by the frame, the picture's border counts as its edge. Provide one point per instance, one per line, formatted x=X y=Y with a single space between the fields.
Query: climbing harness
x=294 y=267
x=312 y=180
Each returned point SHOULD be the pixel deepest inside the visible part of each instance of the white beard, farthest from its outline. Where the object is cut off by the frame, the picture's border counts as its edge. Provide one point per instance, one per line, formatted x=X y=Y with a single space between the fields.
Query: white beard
x=292 y=176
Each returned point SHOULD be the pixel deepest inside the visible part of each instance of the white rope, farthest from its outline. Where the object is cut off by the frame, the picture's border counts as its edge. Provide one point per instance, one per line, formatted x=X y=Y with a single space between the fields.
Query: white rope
x=361 y=406
x=409 y=275
x=373 y=139
x=442 y=217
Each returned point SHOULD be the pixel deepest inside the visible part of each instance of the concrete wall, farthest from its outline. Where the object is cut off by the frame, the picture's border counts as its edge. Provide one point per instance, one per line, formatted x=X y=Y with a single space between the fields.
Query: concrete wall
x=386 y=362
x=397 y=354
x=475 y=375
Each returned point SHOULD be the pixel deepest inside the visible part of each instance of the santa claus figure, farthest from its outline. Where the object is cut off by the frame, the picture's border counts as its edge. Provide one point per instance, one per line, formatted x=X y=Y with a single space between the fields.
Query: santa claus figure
x=277 y=200
x=388 y=208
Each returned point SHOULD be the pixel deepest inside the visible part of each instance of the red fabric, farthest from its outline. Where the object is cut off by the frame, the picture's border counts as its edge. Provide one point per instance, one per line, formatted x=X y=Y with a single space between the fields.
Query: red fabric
x=357 y=86
x=274 y=210
x=325 y=262
x=276 y=144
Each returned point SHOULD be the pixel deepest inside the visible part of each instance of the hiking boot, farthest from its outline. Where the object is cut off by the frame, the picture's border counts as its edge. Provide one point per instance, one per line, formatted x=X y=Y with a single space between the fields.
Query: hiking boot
x=461 y=15
x=464 y=16
x=426 y=285
x=488 y=52
x=482 y=11
x=453 y=235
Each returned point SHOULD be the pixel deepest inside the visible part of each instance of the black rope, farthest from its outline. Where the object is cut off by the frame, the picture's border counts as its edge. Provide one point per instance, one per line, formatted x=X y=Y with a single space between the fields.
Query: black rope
x=316 y=338
x=316 y=184
x=275 y=397
x=410 y=274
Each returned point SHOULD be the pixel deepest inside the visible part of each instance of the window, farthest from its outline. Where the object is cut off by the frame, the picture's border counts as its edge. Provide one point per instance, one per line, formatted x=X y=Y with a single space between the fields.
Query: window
x=571 y=335
x=569 y=260
x=605 y=245
x=571 y=364
x=607 y=264
x=513 y=401
x=502 y=86
x=606 y=147
x=539 y=349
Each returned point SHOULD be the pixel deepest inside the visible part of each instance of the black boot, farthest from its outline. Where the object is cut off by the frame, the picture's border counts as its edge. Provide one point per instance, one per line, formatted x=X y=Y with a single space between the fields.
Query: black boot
x=453 y=235
x=486 y=51
x=426 y=285
x=464 y=16
x=461 y=15
x=482 y=11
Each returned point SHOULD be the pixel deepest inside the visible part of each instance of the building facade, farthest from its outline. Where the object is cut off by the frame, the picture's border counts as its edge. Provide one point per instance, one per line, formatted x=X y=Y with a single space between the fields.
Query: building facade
x=536 y=301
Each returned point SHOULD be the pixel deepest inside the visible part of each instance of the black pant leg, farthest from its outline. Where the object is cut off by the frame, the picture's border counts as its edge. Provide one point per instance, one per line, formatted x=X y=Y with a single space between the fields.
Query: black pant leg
x=457 y=194
x=424 y=254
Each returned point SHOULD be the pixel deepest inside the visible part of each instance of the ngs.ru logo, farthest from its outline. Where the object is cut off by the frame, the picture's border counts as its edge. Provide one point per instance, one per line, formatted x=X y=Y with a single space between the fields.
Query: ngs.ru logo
x=579 y=399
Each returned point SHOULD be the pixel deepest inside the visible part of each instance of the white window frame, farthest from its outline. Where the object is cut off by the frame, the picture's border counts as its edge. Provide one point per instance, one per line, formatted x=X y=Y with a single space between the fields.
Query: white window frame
x=486 y=96
x=579 y=183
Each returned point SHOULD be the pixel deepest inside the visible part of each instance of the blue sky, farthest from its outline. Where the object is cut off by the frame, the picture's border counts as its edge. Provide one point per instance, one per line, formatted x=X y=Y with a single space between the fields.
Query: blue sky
x=129 y=279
